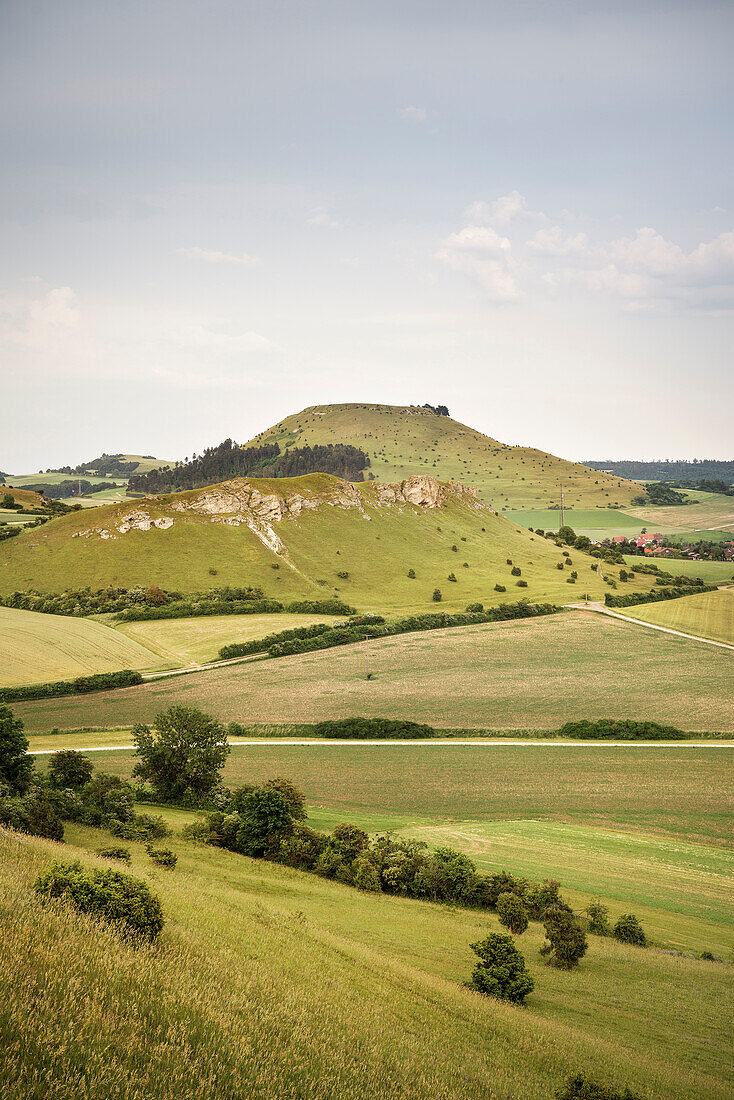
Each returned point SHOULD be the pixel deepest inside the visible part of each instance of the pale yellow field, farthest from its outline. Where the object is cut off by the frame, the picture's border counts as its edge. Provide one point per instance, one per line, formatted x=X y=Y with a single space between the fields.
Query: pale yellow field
x=42 y=648
x=200 y=639
x=708 y=614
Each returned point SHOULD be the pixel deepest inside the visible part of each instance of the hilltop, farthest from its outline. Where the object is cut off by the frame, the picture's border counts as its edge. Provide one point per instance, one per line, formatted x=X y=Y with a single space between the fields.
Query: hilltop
x=305 y=537
x=404 y=440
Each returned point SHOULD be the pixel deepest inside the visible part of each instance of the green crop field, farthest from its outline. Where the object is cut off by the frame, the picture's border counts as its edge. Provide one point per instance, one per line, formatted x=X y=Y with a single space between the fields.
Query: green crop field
x=349 y=531
x=522 y=674
x=41 y=648
x=712 y=572
x=600 y=522
x=403 y=440
x=708 y=614
x=268 y=980
x=200 y=639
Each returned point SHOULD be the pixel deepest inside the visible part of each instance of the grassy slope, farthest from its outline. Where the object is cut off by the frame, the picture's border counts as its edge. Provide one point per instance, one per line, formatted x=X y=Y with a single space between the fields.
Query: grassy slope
x=41 y=648
x=523 y=674
x=401 y=441
x=321 y=543
x=712 y=572
x=710 y=614
x=282 y=984
x=25 y=497
x=199 y=640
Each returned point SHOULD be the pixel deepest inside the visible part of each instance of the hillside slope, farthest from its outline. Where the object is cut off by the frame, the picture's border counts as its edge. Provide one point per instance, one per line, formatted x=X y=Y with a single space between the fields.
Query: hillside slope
x=302 y=537
x=405 y=440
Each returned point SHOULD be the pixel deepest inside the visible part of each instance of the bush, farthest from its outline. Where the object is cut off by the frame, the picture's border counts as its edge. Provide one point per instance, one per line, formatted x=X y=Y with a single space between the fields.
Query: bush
x=620 y=729
x=629 y=930
x=512 y=913
x=500 y=588
x=542 y=897
x=162 y=857
x=32 y=813
x=501 y=971
x=598 y=915
x=113 y=896
x=295 y=797
x=264 y=817
x=411 y=574
x=366 y=876
x=69 y=768
x=516 y=571
x=114 y=851
x=581 y=1087
x=360 y=729
x=437 y=597
x=452 y=577
x=521 y=584
x=183 y=755
x=475 y=607
x=565 y=940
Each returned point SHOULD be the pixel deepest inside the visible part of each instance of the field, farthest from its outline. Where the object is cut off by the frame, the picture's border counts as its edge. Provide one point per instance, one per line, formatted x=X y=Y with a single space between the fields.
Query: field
x=523 y=674
x=709 y=614
x=272 y=983
x=709 y=511
x=349 y=544
x=599 y=523
x=401 y=441
x=42 y=648
x=199 y=640
x=711 y=572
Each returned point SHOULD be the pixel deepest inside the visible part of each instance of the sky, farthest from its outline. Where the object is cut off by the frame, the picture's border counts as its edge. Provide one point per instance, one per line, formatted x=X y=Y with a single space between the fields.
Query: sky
x=214 y=215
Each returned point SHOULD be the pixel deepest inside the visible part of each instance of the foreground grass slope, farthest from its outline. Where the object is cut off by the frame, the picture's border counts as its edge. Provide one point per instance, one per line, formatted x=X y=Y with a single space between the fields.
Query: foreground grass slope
x=532 y=673
x=708 y=614
x=271 y=983
x=42 y=648
x=311 y=536
x=405 y=440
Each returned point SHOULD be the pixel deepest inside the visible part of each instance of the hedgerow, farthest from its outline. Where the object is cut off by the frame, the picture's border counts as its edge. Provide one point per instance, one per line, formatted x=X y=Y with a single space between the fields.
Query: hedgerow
x=82 y=685
x=353 y=729
x=620 y=729
x=656 y=595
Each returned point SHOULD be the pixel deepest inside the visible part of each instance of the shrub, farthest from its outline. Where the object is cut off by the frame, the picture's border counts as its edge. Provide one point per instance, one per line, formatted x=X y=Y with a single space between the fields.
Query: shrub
x=32 y=813
x=475 y=607
x=500 y=588
x=162 y=857
x=114 y=851
x=110 y=895
x=542 y=897
x=565 y=940
x=581 y=1087
x=360 y=729
x=343 y=575
x=509 y=561
x=629 y=930
x=295 y=797
x=366 y=876
x=452 y=577
x=411 y=574
x=625 y=729
x=183 y=755
x=16 y=766
x=437 y=597
x=455 y=548
x=521 y=584
x=69 y=768
x=265 y=817
x=501 y=971
x=559 y=565
x=512 y=913
x=516 y=571
x=598 y=915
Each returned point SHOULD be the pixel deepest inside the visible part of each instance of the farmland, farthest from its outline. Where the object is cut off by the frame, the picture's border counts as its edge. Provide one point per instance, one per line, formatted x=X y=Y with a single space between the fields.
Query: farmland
x=711 y=572
x=533 y=673
x=40 y=648
x=708 y=614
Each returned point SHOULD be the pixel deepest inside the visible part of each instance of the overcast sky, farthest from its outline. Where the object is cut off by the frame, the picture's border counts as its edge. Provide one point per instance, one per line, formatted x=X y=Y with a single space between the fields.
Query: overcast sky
x=214 y=214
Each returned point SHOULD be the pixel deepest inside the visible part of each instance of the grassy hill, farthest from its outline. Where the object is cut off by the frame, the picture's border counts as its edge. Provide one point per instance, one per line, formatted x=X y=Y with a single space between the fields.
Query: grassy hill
x=405 y=440
x=303 y=537
x=22 y=496
x=42 y=648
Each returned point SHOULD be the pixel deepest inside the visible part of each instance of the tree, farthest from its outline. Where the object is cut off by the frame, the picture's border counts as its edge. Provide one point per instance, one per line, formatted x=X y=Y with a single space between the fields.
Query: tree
x=265 y=817
x=294 y=797
x=501 y=970
x=512 y=913
x=183 y=754
x=567 y=535
x=16 y=766
x=598 y=915
x=437 y=597
x=8 y=501
x=581 y=1087
x=69 y=768
x=565 y=940
x=366 y=876
x=629 y=930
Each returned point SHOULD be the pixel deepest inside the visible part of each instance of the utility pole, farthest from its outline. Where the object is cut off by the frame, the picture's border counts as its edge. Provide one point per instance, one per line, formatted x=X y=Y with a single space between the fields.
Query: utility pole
x=562 y=524
x=367 y=656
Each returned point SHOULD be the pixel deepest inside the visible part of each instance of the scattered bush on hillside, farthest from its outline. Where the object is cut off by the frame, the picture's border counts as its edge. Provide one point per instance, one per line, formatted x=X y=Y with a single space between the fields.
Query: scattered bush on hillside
x=359 y=729
x=620 y=729
x=500 y=588
x=560 y=566
x=411 y=574
x=452 y=577
x=629 y=930
x=581 y=1087
x=162 y=857
x=521 y=584
x=115 y=851
x=512 y=913
x=501 y=970
x=565 y=940
x=437 y=597
x=69 y=768
x=113 y=896
x=183 y=755
x=516 y=571
x=598 y=915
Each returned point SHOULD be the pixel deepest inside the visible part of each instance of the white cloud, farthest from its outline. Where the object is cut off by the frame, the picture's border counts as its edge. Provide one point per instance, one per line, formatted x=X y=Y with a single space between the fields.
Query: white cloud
x=500 y=212
x=648 y=252
x=554 y=242
x=480 y=252
x=322 y=219
x=38 y=321
x=210 y=256
x=416 y=116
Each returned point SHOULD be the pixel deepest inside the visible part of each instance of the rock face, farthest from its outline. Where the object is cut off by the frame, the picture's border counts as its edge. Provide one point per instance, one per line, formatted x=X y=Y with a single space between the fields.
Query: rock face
x=240 y=503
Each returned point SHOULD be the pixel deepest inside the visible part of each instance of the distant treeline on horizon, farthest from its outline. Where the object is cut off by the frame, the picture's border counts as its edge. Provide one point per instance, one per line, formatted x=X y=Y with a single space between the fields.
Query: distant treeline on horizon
x=699 y=469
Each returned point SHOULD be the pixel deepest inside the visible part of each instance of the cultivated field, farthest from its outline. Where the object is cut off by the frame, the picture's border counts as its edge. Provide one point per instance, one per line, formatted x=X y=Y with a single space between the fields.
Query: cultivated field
x=273 y=983
x=712 y=572
x=524 y=674
x=708 y=614
x=709 y=510
x=200 y=639
x=41 y=648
